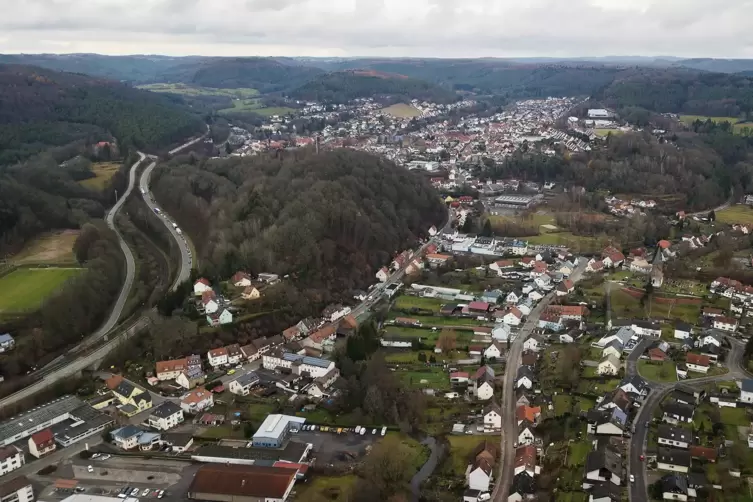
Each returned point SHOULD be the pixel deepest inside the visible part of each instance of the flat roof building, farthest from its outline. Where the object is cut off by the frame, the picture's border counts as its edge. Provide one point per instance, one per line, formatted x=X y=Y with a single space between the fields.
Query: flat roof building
x=70 y=418
x=275 y=429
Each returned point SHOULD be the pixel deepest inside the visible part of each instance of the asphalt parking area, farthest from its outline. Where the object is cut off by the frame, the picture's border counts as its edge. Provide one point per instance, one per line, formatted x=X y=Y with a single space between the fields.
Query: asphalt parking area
x=332 y=448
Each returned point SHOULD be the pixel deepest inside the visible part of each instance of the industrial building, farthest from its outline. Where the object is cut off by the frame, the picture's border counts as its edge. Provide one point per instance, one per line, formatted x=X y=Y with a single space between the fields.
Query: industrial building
x=242 y=483
x=515 y=200
x=275 y=430
x=70 y=419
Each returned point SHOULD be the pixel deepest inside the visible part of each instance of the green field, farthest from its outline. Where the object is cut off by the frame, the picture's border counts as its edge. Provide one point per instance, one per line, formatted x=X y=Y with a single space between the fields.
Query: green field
x=738 y=213
x=577 y=452
x=190 y=90
x=653 y=371
x=429 y=321
x=429 y=379
x=25 y=289
x=602 y=133
x=625 y=305
x=402 y=111
x=103 y=172
x=591 y=386
x=737 y=126
x=562 y=404
x=409 y=302
x=570 y=240
x=734 y=416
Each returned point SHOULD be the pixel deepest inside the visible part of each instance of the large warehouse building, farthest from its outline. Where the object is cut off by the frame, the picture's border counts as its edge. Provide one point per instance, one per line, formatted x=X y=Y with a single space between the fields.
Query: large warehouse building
x=70 y=418
x=242 y=483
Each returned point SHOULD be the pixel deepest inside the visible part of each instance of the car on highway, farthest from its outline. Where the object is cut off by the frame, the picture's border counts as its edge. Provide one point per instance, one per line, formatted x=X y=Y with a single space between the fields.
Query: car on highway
x=642 y=457
x=106 y=457
x=632 y=478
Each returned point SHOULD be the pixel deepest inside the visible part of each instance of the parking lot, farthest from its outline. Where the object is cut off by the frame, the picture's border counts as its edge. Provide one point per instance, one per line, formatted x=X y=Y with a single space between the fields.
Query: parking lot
x=331 y=448
x=109 y=477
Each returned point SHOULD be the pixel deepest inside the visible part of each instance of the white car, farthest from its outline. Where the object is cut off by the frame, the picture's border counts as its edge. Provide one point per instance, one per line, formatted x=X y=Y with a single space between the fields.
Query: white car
x=96 y=455
x=89 y=468
x=106 y=457
x=373 y=432
x=632 y=478
x=145 y=492
x=363 y=431
x=358 y=429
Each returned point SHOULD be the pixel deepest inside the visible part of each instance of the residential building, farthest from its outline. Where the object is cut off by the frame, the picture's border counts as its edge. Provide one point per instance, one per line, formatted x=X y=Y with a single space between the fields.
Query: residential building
x=197 y=401
x=132 y=398
x=166 y=416
x=217 y=357
x=11 y=458
x=525 y=460
x=479 y=475
x=525 y=413
x=251 y=293
x=703 y=452
x=606 y=492
x=42 y=443
x=335 y=312
x=634 y=386
x=525 y=433
x=674 y=412
x=234 y=354
x=6 y=343
x=313 y=367
x=218 y=318
x=610 y=365
x=242 y=483
x=613 y=348
x=192 y=377
x=169 y=370
x=483 y=383
x=523 y=487
x=525 y=378
x=746 y=390
x=683 y=330
x=201 y=286
x=674 y=437
x=127 y=437
x=492 y=416
x=676 y=487
x=241 y=280
x=725 y=323
x=494 y=351
x=209 y=302
x=672 y=459
x=458 y=377
x=533 y=343
x=603 y=466
x=697 y=362
x=243 y=384
x=250 y=352
x=17 y=490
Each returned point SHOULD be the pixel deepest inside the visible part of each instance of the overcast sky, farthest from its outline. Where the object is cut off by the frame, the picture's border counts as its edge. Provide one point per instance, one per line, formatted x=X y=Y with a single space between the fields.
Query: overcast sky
x=436 y=28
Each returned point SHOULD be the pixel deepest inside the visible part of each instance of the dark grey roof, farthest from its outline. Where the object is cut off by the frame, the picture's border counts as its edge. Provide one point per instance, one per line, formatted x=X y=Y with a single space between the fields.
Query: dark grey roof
x=697 y=480
x=38 y=415
x=523 y=483
x=636 y=381
x=605 y=458
x=674 y=433
x=674 y=483
x=683 y=326
x=747 y=385
x=166 y=409
x=682 y=396
x=250 y=378
x=525 y=371
x=177 y=439
x=674 y=456
x=606 y=490
x=678 y=409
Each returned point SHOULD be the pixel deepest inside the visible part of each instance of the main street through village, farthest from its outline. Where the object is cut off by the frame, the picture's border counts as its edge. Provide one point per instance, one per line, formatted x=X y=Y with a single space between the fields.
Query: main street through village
x=509 y=425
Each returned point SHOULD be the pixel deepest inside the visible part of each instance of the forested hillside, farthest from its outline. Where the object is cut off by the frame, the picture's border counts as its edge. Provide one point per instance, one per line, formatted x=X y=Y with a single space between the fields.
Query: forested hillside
x=41 y=108
x=681 y=91
x=263 y=74
x=698 y=175
x=329 y=220
x=344 y=86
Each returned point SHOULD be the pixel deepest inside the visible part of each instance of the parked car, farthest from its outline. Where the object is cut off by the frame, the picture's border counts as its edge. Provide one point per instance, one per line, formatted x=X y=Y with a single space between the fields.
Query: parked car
x=161 y=494
x=106 y=457
x=384 y=431
x=145 y=492
x=373 y=432
x=89 y=468
x=135 y=492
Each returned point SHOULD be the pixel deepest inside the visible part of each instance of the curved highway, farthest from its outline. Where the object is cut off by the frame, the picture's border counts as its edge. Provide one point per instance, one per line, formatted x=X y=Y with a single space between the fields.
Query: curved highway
x=184 y=271
x=117 y=309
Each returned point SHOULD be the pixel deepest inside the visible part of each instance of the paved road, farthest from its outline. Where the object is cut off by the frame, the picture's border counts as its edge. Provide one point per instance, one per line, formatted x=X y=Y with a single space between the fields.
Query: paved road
x=426 y=469
x=117 y=309
x=186 y=262
x=509 y=427
x=638 y=491
x=716 y=209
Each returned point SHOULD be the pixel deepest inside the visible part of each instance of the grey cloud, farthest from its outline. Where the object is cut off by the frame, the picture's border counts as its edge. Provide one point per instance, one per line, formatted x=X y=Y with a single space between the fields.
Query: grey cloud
x=457 y=28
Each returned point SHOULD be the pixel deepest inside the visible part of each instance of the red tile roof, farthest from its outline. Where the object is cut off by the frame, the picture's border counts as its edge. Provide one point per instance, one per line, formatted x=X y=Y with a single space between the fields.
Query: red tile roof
x=241 y=481
x=42 y=437
x=698 y=359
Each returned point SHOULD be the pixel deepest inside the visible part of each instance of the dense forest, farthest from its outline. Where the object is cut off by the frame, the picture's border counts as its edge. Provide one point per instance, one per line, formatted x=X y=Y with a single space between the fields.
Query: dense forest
x=329 y=220
x=702 y=173
x=39 y=196
x=41 y=108
x=344 y=86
